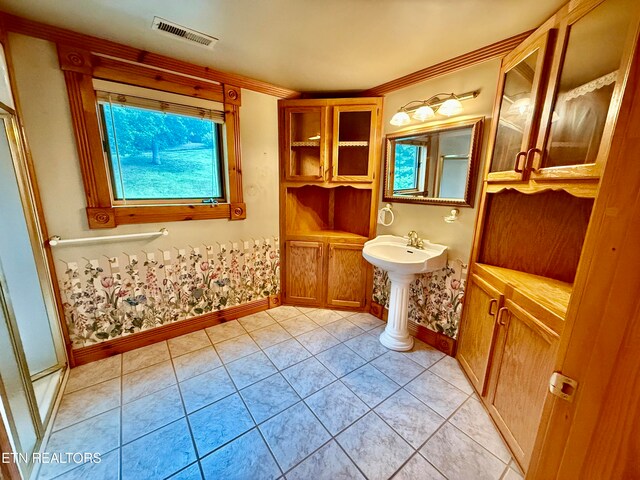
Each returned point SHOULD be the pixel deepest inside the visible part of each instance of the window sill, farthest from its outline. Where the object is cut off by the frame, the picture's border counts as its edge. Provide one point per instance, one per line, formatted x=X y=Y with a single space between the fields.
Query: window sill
x=114 y=216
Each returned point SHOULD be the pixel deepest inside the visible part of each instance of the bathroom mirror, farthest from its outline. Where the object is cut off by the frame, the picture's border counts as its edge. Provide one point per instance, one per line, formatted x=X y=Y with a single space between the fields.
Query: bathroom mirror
x=434 y=164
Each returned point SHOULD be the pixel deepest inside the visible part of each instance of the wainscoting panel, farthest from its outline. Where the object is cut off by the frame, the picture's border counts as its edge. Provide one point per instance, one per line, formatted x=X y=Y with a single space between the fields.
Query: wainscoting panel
x=435 y=299
x=109 y=298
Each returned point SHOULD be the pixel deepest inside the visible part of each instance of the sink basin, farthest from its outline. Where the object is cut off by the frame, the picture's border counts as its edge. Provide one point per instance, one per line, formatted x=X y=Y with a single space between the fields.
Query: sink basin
x=391 y=253
x=403 y=264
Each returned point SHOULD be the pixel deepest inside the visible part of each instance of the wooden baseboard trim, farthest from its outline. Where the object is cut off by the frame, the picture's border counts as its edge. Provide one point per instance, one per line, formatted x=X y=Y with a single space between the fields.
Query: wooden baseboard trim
x=141 y=339
x=437 y=340
x=274 y=301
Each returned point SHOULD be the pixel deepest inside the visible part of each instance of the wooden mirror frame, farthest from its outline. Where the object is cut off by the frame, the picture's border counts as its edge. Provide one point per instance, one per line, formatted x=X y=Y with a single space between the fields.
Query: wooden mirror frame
x=80 y=67
x=472 y=173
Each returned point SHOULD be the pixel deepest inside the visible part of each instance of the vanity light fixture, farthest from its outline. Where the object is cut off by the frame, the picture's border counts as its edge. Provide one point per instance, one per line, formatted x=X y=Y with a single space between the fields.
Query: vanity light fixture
x=447 y=104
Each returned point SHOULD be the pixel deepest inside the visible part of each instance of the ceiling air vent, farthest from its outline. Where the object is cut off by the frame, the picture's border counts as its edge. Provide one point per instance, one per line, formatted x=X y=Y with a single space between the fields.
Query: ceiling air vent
x=183 y=33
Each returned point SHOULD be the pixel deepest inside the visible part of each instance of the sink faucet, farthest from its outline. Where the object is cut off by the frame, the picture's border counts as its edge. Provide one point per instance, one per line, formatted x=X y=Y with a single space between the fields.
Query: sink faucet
x=414 y=240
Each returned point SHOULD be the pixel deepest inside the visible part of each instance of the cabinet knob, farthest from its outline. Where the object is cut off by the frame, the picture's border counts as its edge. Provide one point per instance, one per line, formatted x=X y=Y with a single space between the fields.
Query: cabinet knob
x=516 y=166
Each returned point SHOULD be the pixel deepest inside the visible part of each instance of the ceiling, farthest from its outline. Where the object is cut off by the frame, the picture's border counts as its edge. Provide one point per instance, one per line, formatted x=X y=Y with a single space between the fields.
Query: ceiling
x=306 y=45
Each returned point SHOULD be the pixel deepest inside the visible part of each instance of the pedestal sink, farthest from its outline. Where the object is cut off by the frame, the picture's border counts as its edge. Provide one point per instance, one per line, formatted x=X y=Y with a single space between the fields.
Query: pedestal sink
x=403 y=263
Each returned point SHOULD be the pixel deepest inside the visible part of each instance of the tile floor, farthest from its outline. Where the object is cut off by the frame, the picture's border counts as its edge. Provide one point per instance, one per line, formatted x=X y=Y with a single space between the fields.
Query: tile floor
x=291 y=393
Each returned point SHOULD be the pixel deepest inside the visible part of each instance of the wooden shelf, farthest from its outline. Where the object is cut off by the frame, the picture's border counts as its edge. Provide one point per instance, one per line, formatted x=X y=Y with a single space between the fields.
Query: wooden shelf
x=354 y=144
x=327 y=234
x=310 y=143
x=551 y=294
x=586 y=188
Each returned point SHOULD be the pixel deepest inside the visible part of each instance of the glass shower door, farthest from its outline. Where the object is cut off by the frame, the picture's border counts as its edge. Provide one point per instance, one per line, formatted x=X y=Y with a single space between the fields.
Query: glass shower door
x=32 y=357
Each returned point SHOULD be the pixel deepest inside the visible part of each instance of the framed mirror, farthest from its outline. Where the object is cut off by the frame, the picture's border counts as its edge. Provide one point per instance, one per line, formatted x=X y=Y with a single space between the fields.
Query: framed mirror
x=434 y=164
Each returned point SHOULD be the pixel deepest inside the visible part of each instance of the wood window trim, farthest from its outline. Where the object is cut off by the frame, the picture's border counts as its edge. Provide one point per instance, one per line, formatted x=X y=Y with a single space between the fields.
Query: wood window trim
x=80 y=67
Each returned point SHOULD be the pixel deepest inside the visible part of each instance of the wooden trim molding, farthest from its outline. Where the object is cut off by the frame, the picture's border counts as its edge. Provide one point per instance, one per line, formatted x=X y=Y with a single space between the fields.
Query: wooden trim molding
x=141 y=339
x=141 y=76
x=80 y=67
x=487 y=52
x=437 y=340
x=275 y=301
x=13 y=23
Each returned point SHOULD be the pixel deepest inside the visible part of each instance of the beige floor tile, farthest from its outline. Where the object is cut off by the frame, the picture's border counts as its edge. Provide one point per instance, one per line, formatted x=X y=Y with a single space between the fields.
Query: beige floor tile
x=225 y=331
x=94 y=372
x=449 y=369
x=88 y=402
x=256 y=321
x=283 y=312
x=236 y=348
x=457 y=456
x=147 y=380
x=195 y=363
x=271 y=335
x=188 y=343
x=299 y=325
x=145 y=357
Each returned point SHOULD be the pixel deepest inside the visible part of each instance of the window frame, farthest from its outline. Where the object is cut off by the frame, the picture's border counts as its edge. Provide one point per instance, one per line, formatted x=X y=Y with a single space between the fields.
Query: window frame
x=109 y=154
x=80 y=67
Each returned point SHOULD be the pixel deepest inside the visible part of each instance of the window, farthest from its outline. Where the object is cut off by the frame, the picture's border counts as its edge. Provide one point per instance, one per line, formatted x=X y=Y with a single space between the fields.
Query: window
x=154 y=145
x=161 y=152
x=407 y=165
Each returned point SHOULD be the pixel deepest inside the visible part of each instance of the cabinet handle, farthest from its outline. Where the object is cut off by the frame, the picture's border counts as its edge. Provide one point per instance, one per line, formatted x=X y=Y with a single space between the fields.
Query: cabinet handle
x=517 y=164
x=491 y=304
x=530 y=157
x=500 y=313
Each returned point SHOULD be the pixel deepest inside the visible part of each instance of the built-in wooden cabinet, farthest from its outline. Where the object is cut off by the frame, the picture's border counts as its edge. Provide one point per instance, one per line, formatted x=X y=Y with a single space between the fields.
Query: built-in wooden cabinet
x=304 y=271
x=476 y=346
x=346 y=275
x=523 y=358
x=558 y=100
x=559 y=96
x=514 y=320
x=330 y=158
x=518 y=107
x=354 y=134
x=328 y=141
x=305 y=133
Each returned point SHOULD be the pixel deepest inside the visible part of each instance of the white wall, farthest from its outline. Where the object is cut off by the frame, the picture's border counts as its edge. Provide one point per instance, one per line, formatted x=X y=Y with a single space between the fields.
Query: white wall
x=427 y=220
x=47 y=118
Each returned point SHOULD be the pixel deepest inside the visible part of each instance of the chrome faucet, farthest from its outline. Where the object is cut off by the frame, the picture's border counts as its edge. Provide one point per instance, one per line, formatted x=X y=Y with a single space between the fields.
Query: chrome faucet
x=414 y=240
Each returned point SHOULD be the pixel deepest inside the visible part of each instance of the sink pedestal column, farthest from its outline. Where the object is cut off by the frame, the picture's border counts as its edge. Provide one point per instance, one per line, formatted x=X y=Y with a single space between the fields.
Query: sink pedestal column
x=396 y=334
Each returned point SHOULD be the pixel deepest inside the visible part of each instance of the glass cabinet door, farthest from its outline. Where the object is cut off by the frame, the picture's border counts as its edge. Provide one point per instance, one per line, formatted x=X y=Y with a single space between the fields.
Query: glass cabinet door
x=518 y=110
x=305 y=143
x=353 y=137
x=587 y=72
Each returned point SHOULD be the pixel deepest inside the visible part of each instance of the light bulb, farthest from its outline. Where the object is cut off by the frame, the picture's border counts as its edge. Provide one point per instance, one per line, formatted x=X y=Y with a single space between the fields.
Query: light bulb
x=400 y=118
x=423 y=113
x=520 y=106
x=450 y=107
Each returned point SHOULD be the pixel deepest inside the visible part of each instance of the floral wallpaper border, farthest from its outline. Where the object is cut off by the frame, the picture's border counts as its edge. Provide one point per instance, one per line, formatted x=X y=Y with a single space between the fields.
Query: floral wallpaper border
x=435 y=299
x=112 y=297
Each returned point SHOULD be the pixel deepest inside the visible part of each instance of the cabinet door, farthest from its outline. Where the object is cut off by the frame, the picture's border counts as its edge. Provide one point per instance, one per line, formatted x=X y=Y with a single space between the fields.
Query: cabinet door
x=305 y=143
x=517 y=110
x=354 y=139
x=478 y=331
x=587 y=78
x=304 y=272
x=522 y=366
x=346 y=280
